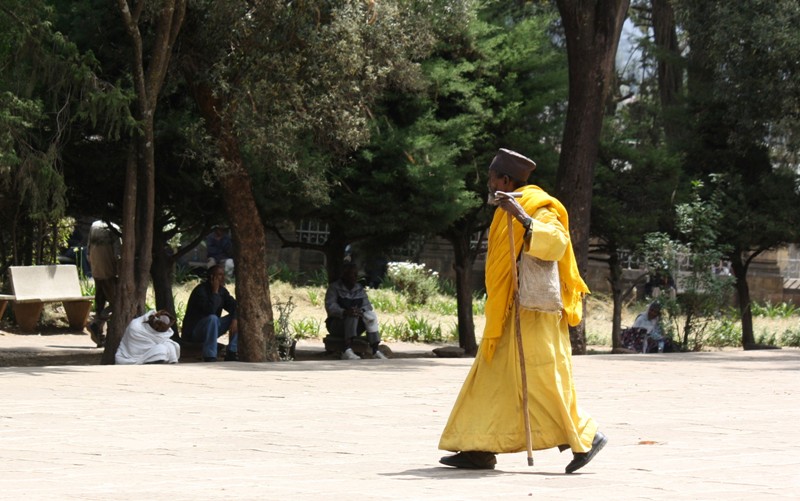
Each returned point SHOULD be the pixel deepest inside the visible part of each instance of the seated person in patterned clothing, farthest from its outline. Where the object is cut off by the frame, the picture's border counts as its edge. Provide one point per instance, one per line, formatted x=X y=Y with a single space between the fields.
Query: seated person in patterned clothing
x=350 y=313
x=649 y=324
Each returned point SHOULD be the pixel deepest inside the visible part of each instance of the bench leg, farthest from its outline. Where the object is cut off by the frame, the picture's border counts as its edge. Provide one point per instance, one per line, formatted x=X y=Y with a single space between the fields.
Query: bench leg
x=3 y=304
x=77 y=313
x=27 y=315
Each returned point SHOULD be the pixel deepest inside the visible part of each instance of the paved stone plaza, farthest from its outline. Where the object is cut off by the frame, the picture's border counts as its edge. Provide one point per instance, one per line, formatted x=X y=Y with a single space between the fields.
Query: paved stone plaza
x=699 y=426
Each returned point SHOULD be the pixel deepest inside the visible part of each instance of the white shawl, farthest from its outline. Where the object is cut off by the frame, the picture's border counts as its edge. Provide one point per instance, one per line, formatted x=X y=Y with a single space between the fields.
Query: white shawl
x=142 y=344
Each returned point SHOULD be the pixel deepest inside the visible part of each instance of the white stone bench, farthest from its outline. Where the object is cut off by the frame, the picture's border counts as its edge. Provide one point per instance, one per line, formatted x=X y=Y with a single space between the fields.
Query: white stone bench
x=33 y=286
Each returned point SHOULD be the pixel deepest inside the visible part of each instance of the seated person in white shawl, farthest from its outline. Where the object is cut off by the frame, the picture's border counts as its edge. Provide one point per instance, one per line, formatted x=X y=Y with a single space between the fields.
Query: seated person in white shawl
x=650 y=322
x=147 y=340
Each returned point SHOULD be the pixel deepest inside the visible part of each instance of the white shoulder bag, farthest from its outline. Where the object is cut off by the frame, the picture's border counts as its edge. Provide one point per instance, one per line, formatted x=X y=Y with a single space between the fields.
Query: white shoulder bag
x=539 y=284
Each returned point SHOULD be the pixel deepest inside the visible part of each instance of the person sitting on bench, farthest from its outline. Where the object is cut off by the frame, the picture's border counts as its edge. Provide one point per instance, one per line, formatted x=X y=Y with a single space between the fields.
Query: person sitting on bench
x=350 y=313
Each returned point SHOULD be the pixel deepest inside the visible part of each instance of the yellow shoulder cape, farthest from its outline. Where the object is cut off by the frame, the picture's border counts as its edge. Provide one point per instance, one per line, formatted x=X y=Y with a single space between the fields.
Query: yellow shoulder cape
x=499 y=290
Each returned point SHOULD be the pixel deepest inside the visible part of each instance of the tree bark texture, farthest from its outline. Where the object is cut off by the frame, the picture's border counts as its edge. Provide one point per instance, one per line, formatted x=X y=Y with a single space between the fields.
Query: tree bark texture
x=138 y=218
x=462 y=266
x=615 y=279
x=592 y=30
x=161 y=272
x=670 y=77
x=739 y=267
x=124 y=307
x=254 y=305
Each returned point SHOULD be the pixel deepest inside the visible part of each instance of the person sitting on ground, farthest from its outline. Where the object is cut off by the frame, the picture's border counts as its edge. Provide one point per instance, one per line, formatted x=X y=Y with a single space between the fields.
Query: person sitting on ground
x=219 y=250
x=204 y=322
x=147 y=340
x=650 y=322
x=350 y=313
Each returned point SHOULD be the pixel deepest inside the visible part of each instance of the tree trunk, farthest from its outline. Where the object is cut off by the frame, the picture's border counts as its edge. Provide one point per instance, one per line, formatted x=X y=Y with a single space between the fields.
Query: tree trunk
x=666 y=39
x=145 y=215
x=161 y=273
x=592 y=30
x=743 y=296
x=615 y=279
x=462 y=266
x=139 y=207
x=124 y=309
x=254 y=305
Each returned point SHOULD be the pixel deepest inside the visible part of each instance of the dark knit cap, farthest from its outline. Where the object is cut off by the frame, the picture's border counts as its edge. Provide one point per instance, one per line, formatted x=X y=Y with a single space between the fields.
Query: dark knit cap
x=512 y=164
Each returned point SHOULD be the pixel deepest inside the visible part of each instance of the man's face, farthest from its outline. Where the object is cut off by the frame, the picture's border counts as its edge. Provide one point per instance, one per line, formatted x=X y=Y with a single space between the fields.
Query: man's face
x=218 y=275
x=349 y=277
x=498 y=182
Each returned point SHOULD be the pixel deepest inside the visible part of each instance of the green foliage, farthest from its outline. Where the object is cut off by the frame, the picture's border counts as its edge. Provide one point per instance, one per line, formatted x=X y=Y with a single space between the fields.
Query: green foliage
x=744 y=69
x=447 y=287
x=281 y=272
x=791 y=337
x=415 y=329
x=388 y=301
x=180 y=310
x=727 y=332
x=49 y=88
x=704 y=294
x=391 y=331
x=183 y=274
x=767 y=338
x=316 y=296
x=87 y=286
x=595 y=339
x=283 y=332
x=413 y=280
x=318 y=278
x=479 y=304
x=769 y=310
x=443 y=305
x=307 y=328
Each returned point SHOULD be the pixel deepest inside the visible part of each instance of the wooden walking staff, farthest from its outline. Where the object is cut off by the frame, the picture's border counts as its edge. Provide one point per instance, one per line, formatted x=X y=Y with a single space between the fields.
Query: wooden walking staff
x=518 y=336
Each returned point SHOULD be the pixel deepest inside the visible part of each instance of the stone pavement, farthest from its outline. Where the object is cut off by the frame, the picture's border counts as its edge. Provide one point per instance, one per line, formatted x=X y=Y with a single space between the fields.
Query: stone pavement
x=698 y=426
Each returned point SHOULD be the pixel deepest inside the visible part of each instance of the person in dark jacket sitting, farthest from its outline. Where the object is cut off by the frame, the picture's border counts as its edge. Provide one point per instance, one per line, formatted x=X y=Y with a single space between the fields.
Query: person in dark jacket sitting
x=204 y=323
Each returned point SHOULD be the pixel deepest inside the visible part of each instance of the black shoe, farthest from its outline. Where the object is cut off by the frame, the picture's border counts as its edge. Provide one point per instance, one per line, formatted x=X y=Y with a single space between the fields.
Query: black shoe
x=232 y=356
x=581 y=459
x=474 y=460
x=209 y=359
x=96 y=334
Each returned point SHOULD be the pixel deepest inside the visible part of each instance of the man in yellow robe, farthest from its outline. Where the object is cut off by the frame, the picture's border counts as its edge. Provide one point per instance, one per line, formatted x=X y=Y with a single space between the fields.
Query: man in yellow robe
x=487 y=417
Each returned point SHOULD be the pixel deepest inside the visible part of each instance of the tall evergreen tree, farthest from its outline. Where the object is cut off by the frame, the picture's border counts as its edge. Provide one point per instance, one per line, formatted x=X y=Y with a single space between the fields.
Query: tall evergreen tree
x=47 y=85
x=272 y=78
x=743 y=93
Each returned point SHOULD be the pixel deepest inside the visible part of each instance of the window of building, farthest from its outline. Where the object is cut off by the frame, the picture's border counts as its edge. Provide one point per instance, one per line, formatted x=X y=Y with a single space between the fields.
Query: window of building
x=312 y=231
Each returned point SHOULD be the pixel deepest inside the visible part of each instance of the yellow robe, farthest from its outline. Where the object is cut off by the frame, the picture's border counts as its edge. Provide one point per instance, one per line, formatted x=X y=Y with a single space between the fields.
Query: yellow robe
x=487 y=415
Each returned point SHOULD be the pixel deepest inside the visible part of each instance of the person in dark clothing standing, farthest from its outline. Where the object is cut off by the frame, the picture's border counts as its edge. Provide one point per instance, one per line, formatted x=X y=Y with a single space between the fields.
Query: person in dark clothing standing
x=204 y=323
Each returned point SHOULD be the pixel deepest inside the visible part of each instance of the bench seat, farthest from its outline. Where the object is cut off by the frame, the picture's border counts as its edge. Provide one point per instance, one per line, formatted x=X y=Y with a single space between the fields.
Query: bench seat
x=33 y=286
